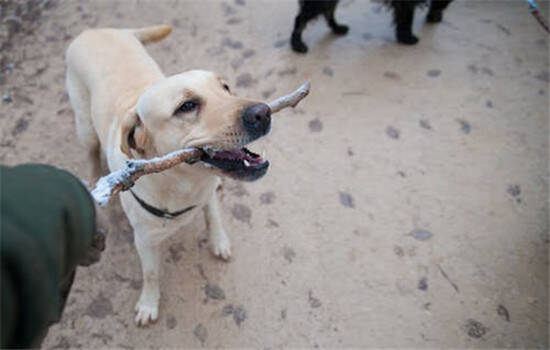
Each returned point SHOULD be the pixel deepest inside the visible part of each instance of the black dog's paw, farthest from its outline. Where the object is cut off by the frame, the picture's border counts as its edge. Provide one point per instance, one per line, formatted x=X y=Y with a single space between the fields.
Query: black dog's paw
x=340 y=29
x=434 y=17
x=298 y=45
x=407 y=38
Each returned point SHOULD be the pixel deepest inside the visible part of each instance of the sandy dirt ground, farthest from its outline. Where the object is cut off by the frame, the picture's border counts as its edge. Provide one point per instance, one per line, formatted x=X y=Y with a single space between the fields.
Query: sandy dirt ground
x=407 y=200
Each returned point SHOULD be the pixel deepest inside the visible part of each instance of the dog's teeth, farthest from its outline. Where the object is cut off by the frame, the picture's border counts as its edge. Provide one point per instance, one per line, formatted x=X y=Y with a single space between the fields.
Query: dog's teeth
x=263 y=154
x=209 y=151
x=246 y=163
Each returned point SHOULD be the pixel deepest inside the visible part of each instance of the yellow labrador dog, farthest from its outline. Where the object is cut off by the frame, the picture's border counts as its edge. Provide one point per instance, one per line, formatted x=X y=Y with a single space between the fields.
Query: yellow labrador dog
x=126 y=108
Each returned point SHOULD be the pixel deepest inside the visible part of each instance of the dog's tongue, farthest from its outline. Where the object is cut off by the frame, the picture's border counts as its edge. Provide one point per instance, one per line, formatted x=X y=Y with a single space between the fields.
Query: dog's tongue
x=232 y=154
x=239 y=154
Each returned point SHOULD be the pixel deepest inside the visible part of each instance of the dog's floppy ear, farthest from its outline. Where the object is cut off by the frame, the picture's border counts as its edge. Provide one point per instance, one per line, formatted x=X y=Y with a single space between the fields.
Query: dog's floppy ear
x=134 y=136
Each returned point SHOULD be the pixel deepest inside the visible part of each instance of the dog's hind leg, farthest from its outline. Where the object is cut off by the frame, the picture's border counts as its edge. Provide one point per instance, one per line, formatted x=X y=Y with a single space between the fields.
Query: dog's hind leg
x=435 y=14
x=307 y=13
x=403 y=12
x=80 y=101
x=219 y=242
x=339 y=29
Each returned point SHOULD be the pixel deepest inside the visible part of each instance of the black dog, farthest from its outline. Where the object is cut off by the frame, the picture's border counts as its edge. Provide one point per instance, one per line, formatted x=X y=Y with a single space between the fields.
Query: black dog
x=403 y=12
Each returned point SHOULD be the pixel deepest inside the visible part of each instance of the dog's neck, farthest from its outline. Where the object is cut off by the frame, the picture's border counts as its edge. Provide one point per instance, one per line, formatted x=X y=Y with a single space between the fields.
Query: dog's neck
x=179 y=187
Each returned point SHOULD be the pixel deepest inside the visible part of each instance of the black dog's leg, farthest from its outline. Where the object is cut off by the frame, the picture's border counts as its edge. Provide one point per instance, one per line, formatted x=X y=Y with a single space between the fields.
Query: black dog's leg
x=339 y=29
x=309 y=9
x=299 y=24
x=435 y=14
x=403 y=11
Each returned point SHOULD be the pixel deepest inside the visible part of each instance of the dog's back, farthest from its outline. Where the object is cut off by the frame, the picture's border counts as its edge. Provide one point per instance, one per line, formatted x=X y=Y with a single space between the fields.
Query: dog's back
x=97 y=54
x=107 y=69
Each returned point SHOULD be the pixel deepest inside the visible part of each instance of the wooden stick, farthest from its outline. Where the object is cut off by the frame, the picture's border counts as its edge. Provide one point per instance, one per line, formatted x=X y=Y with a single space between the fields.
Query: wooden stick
x=123 y=179
x=290 y=100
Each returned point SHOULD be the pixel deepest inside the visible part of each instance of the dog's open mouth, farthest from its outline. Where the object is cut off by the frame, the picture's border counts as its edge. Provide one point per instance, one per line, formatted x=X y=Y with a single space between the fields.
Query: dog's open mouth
x=238 y=163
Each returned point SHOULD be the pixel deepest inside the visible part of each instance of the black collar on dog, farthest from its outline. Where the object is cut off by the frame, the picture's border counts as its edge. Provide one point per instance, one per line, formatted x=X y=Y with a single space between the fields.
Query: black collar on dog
x=160 y=212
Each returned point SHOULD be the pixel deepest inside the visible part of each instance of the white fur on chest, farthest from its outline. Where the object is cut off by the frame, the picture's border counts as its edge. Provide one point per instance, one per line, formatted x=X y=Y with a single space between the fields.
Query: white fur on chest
x=166 y=193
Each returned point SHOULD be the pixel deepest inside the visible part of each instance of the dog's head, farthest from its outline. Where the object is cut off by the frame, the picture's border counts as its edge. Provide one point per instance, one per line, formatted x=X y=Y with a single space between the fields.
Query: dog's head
x=197 y=109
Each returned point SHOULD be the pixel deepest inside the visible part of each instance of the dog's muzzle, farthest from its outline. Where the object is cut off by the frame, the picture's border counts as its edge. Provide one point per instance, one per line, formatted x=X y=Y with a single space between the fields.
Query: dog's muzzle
x=239 y=163
x=257 y=120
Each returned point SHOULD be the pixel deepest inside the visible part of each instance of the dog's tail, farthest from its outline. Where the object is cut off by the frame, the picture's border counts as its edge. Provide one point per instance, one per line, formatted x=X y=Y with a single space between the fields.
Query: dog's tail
x=152 y=34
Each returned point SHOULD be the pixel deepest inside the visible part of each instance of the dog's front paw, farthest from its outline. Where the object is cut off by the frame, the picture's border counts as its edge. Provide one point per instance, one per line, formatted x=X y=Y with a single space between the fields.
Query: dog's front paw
x=340 y=29
x=147 y=312
x=407 y=38
x=298 y=45
x=434 y=17
x=221 y=247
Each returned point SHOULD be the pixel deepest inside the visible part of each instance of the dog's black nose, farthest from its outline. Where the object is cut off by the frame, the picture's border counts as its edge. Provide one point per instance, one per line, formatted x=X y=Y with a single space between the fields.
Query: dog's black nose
x=257 y=119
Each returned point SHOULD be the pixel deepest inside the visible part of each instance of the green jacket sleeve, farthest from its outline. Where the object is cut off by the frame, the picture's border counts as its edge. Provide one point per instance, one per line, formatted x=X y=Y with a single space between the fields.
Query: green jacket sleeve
x=47 y=222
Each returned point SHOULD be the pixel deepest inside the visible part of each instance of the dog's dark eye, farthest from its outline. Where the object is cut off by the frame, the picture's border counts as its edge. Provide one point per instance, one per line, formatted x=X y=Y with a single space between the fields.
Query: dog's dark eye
x=226 y=87
x=187 y=106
